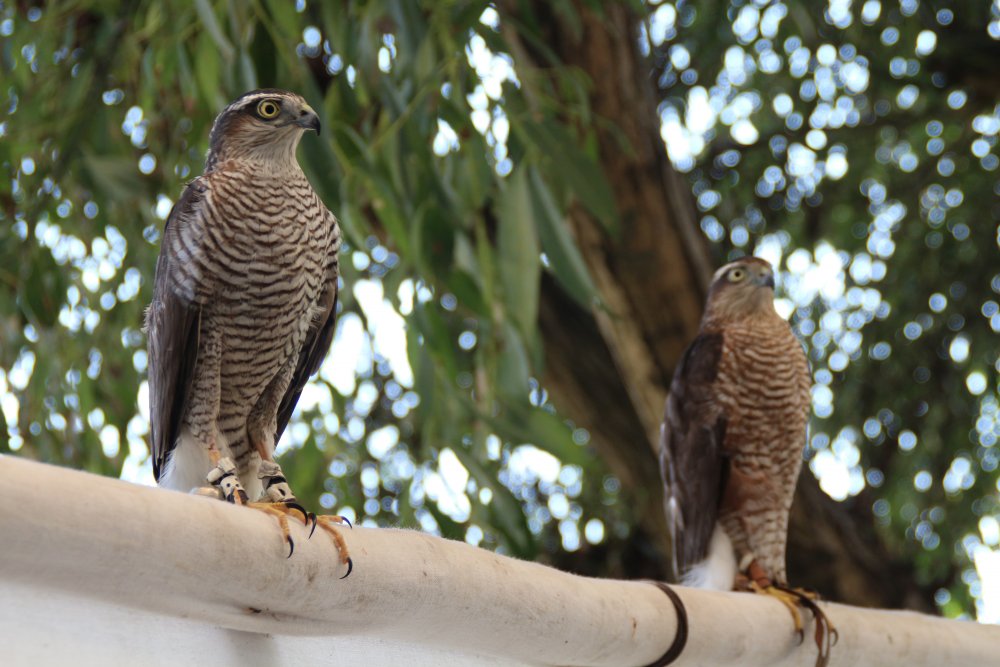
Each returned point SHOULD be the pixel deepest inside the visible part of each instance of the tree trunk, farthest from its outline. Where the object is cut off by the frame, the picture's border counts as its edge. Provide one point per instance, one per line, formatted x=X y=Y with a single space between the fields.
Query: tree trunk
x=610 y=369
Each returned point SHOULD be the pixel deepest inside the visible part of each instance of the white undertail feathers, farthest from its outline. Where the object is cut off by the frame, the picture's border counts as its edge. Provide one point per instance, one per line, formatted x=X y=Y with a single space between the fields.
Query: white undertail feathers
x=718 y=570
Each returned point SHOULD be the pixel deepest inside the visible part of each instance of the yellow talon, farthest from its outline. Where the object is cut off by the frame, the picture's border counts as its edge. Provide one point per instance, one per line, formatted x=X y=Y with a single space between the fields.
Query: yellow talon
x=795 y=599
x=330 y=524
x=280 y=512
x=790 y=601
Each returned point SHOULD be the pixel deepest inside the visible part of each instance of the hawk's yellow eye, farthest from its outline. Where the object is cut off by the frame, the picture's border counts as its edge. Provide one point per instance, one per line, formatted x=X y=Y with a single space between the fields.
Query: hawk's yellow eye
x=737 y=274
x=267 y=109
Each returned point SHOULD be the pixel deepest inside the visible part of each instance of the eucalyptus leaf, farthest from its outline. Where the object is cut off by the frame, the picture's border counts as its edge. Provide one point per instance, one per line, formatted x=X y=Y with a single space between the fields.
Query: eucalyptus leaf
x=518 y=251
x=559 y=245
x=207 y=15
x=565 y=161
x=207 y=69
x=514 y=367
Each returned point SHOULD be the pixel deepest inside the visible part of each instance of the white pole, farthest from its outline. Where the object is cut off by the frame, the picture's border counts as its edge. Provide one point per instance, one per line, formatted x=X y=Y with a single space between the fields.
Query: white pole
x=193 y=558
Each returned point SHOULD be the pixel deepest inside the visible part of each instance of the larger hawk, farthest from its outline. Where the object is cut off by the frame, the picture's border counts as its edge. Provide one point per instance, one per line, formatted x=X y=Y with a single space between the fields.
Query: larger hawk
x=243 y=310
x=732 y=439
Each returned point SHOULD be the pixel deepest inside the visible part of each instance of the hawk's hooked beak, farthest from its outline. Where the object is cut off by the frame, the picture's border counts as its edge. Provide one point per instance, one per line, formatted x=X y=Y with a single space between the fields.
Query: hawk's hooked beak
x=766 y=279
x=308 y=119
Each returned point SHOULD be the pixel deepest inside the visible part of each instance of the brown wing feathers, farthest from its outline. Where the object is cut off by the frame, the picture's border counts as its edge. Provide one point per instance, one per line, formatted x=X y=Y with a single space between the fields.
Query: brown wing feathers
x=316 y=346
x=172 y=325
x=692 y=459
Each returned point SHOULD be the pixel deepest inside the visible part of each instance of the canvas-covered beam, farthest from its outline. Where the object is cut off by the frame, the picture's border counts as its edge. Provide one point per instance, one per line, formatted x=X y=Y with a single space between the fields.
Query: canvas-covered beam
x=207 y=569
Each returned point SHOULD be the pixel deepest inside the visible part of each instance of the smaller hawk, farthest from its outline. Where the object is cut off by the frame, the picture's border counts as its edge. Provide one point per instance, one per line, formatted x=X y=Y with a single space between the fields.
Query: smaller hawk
x=732 y=440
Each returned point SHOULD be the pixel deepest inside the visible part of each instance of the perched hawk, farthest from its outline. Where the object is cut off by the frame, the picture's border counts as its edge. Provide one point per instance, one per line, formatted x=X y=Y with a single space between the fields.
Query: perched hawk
x=243 y=310
x=732 y=439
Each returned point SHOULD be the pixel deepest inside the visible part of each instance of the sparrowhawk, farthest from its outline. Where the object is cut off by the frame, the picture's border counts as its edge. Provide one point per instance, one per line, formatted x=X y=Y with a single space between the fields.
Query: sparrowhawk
x=732 y=440
x=243 y=310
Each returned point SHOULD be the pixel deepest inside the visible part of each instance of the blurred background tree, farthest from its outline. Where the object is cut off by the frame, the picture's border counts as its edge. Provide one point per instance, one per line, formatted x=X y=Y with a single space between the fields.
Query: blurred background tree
x=534 y=196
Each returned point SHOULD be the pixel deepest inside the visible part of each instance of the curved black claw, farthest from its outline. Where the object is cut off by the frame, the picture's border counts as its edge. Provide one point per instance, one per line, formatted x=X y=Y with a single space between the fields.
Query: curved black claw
x=348 y=522
x=292 y=505
x=291 y=548
x=350 y=568
x=826 y=635
x=311 y=517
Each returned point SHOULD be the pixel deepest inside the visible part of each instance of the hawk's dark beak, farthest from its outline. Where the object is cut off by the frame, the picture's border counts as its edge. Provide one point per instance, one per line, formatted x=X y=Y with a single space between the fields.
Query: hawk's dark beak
x=308 y=120
x=766 y=280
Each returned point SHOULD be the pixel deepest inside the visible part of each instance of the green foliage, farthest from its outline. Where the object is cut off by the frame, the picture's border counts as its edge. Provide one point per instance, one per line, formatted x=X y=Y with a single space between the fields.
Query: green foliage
x=829 y=143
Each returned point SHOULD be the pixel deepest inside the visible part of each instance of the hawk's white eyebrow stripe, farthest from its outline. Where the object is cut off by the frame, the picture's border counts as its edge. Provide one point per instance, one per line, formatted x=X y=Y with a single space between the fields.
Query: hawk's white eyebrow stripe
x=719 y=273
x=250 y=99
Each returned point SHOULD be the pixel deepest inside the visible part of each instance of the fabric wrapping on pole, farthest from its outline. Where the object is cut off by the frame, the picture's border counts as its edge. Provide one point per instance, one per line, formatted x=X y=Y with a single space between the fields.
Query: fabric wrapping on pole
x=186 y=557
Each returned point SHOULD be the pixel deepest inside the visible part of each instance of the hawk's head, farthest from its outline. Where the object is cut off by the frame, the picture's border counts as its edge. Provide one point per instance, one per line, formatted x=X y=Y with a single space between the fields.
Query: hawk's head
x=741 y=289
x=262 y=125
